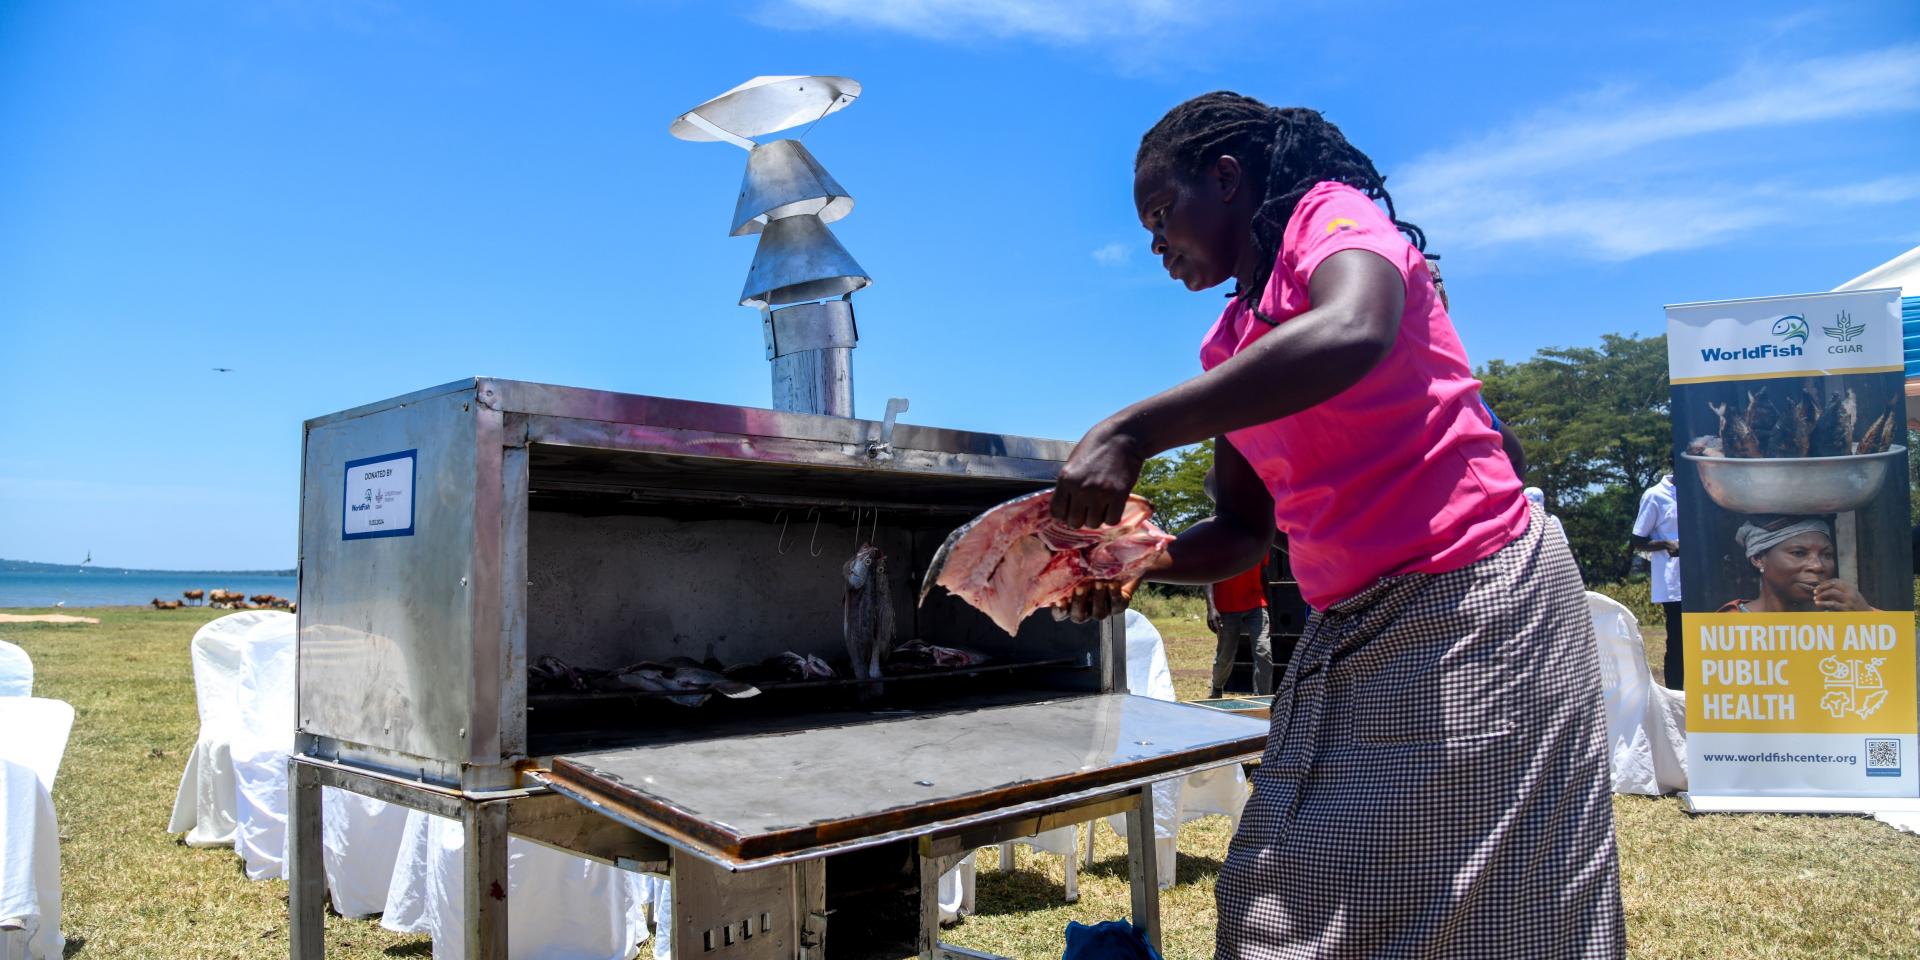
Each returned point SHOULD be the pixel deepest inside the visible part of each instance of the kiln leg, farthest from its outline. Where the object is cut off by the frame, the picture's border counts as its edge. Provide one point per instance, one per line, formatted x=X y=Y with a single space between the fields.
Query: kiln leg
x=484 y=859
x=1143 y=866
x=931 y=870
x=306 y=872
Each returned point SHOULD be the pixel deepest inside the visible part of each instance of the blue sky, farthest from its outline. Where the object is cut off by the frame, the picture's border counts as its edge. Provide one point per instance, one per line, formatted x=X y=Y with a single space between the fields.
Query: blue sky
x=345 y=201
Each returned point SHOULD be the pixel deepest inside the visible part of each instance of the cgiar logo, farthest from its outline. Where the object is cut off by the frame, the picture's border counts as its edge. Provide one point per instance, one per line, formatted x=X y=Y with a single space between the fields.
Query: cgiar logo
x=1791 y=327
x=1844 y=329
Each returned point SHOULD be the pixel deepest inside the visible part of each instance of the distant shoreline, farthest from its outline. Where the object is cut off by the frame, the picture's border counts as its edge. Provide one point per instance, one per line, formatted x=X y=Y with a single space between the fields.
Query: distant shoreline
x=32 y=566
x=112 y=588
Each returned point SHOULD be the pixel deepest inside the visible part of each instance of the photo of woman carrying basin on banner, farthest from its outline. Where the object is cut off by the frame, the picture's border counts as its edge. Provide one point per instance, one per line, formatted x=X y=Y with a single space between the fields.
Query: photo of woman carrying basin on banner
x=1790 y=467
x=1800 y=489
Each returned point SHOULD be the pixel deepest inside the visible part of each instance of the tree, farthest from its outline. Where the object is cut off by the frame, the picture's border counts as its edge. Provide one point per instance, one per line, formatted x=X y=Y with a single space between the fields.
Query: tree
x=1594 y=424
x=1174 y=484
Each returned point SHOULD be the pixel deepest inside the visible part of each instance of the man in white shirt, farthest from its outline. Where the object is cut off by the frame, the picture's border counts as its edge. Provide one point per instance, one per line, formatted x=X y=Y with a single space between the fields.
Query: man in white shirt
x=1656 y=532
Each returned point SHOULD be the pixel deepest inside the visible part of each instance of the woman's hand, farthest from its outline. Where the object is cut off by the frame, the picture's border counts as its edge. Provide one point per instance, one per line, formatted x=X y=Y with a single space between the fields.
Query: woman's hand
x=1097 y=600
x=1838 y=595
x=1094 y=485
x=1100 y=599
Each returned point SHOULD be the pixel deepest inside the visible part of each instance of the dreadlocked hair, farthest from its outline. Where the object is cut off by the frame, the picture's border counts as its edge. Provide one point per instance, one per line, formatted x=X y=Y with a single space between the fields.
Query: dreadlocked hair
x=1285 y=149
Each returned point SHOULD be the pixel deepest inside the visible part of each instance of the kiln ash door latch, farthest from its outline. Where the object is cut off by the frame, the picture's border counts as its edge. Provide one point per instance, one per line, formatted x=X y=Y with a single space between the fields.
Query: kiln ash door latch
x=882 y=449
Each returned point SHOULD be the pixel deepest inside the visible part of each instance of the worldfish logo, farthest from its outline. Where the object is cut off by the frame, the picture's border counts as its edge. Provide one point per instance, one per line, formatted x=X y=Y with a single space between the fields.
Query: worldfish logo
x=1765 y=351
x=1791 y=328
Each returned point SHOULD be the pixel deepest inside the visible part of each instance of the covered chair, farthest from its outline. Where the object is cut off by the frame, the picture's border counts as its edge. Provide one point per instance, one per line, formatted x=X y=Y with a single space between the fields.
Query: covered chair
x=1147 y=676
x=204 y=807
x=261 y=740
x=559 y=906
x=33 y=738
x=33 y=733
x=1222 y=790
x=16 y=671
x=1646 y=722
x=359 y=844
x=957 y=886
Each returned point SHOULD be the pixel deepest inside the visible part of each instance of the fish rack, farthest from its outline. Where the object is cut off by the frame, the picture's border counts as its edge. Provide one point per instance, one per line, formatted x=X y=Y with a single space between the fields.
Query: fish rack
x=519 y=521
x=777 y=687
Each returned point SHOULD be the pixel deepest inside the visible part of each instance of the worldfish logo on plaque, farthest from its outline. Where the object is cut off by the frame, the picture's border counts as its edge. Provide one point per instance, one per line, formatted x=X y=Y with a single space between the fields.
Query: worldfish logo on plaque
x=1790 y=468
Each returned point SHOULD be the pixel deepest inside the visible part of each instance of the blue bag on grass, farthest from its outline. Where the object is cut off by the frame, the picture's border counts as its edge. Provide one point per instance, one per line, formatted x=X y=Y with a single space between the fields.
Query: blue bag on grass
x=1113 y=940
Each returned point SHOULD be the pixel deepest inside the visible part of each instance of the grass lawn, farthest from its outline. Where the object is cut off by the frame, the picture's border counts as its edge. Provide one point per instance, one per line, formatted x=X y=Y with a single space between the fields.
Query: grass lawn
x=1701 y=887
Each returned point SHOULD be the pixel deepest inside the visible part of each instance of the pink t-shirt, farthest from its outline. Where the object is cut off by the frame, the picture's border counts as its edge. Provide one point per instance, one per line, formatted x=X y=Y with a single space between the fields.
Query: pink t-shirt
x=1403 y=471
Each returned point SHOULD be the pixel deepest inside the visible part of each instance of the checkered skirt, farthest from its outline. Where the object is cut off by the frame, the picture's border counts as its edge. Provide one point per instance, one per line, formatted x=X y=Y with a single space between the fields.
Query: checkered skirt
x=1436 y=780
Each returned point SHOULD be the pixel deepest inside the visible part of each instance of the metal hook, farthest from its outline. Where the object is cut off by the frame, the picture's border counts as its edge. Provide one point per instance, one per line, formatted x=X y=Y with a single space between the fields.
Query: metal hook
x=780 y=546
x=874 y=536
x=815 y=511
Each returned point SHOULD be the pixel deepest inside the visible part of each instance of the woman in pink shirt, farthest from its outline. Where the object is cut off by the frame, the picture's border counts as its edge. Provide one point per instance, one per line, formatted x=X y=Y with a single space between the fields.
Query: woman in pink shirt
x=1436 y=782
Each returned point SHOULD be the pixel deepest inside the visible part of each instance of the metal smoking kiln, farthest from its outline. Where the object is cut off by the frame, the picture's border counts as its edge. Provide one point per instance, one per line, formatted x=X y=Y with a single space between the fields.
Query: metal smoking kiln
x=479 y=558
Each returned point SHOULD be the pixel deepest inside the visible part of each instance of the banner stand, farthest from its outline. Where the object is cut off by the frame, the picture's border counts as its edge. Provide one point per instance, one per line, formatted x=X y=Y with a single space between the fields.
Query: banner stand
x=1863 y=806
x=1801 y=667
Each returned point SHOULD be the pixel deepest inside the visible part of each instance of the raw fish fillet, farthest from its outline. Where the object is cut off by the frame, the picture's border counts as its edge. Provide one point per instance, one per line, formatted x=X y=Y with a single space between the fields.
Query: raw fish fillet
x=1015 y=558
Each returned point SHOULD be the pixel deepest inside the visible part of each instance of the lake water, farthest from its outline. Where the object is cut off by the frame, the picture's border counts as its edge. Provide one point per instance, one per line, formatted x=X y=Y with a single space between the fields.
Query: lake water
x=125 y=589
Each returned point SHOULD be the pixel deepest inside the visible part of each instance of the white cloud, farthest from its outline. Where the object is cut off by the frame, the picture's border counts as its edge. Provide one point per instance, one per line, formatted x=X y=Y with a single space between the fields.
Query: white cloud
x=1053 y=20
x=1883 y=190
x=1621 y=174
x=1112 y=254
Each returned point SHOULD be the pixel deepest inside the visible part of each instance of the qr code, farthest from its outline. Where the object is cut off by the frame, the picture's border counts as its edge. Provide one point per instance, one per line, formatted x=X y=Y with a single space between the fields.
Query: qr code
x=1883 y=758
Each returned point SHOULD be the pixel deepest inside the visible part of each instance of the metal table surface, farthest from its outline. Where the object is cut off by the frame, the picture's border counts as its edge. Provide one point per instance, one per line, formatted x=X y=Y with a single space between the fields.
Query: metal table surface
x=746 y=799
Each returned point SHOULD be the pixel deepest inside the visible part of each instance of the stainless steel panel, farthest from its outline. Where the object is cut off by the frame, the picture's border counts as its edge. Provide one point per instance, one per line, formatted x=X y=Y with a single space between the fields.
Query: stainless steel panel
x=387 y=643
x=815 y=381
x=413 y=649
x=742 y=799
x=800 y=259
x=713 y=421
x=784 y=180
x=731 y=916
x=809 y=326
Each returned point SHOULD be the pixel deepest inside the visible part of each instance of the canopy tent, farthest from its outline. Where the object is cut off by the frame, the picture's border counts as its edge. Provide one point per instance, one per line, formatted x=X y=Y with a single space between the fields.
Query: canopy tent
x=1902 y=271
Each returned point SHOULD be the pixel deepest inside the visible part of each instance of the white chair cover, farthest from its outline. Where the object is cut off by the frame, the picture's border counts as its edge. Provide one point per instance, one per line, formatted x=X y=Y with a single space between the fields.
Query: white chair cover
x=29 y=867
x=1222 y=790
x=1646 y=722
x=16 y=671
x=33 y=733
x=956 y=889
x=657 y=893
x=204 y=805
x=261 y=740
x=360 y=841
x=559 y=907
x=33 y=738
